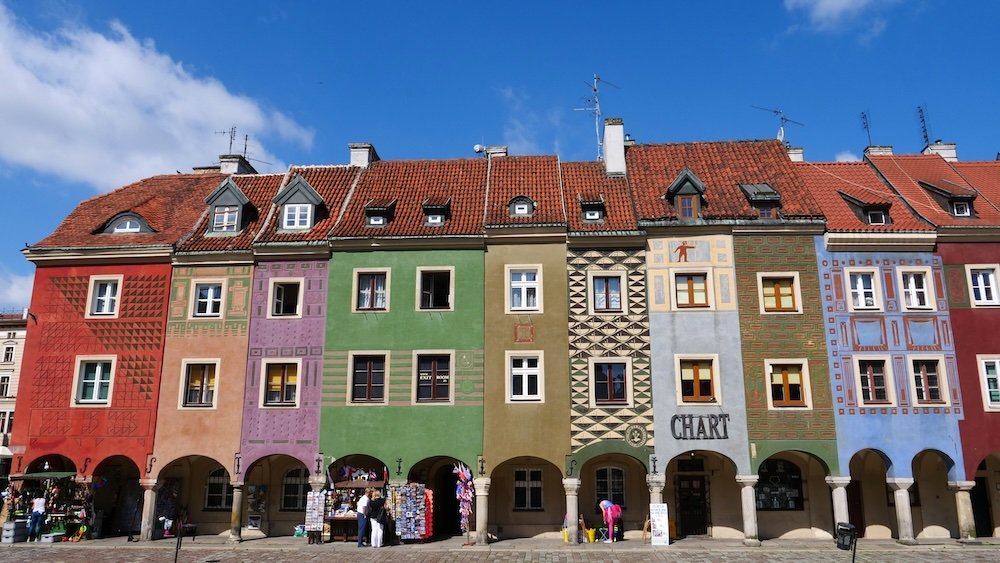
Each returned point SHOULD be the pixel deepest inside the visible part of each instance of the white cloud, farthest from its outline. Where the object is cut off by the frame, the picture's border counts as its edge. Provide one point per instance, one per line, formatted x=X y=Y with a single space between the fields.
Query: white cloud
x=828 y=14
x=15 y=290
x=846 y=156
x=108 y=109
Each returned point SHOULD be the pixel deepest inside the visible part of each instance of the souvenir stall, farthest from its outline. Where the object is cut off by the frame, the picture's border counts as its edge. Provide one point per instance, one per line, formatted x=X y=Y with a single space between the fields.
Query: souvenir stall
x=69 y=503
x=349 y=484
x=412 y=505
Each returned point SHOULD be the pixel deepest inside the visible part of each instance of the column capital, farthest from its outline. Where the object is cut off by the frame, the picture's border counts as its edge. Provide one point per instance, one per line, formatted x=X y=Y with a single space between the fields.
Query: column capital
x=836 y=482
x=572 y=485
x=237 y=484
x=482 y=485
x=961 y=485
x=656 y=480
x=317 y=482
x=747 y=480
x=900 y=483
x=149 y=484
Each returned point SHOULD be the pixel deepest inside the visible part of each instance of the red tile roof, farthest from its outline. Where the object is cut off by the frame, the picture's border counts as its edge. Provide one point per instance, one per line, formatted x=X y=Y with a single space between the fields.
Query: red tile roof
x=828 y=180
x=722 y=167
x=170 y=205
x=587 y=182
x=535 y=177
x=905 y=173
x=333 y=184
x=984 y=175
x=259 y=189
x=410 y=183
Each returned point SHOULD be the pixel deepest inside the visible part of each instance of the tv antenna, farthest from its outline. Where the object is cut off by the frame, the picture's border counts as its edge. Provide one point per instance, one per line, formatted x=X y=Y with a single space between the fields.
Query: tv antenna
x=922 y=114
x=867 y=126
x=232 y=138
x=782 y=120
x=595 y=108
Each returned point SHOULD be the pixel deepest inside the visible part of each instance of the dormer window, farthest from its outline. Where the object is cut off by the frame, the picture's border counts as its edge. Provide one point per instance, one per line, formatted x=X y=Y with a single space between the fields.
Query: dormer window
x=300 y=205
x=376 y=220
x=378 y=212
x=127 y=225
x=876 y=217
x=961 y=209
x=593 y=215
x=521 y=207
x=686 y=192
x=764 y=199
x=687 y=206
x=226 y=218
x=435 y=219
x=230 y=208
x=592 y=207
x=766 y=212
x=436 y=210
x=297 y=216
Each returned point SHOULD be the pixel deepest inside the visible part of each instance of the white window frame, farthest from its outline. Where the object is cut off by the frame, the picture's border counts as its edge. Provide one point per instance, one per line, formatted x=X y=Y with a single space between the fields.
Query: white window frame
x=955 y=206
x=716 y=379
x=127 y=225
x=227 y=490
x=6 y=422
x=420 y=288
x=524 y=398
x=890 y=381
x=6 y=379
x=529 y=484
x=523 y=286
x=376 y=220
x=806 y=387
x=75 y=400
x=8 y=354
x=182 y=392
x=881 y=214
x=970 y=269
x=943 y=387
x=796 y=292
x=593 y=215
x=386 y=358
x=93 y=299
x=296 y=216
x=902 y=274
x=709 y=274
x=230 y=219
x=981 y=361
x=272 y=288
x=629 y=382
x=416 y=374
x=522 y=209
x=193 y=299
x=356 y=275
x=622 y=276
x=877 y=294
x=435 y=219
x=299 y=380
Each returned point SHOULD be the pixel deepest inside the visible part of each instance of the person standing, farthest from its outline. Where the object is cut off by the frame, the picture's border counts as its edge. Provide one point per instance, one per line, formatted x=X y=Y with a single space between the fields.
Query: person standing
x=377 y=516
x=37 y=517
x=363 y=506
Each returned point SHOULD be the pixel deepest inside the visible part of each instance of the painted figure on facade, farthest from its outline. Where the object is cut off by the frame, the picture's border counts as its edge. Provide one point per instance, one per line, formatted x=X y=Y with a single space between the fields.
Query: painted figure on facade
x=682 y=250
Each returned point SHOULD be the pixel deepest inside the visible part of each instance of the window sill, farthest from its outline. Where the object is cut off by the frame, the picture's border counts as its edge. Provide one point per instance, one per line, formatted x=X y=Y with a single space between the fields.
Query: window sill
x=279 y=405
x=529 y=510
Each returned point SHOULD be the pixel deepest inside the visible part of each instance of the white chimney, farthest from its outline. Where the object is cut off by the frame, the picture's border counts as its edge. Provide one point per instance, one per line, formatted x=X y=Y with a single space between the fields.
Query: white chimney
x=235 y=164
x=947 y=151
x=614 y=146
x=879 y=150
x=495 y=150
x=796 y=154
x=362 y=154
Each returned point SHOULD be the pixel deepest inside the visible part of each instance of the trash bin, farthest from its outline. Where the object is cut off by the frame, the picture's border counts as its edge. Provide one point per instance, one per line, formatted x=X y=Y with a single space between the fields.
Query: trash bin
x=847 y=534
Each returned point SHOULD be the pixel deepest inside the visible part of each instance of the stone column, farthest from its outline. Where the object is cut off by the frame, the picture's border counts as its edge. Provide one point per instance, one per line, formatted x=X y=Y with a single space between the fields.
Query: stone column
x=904 y=518
x=482 y=485
x=148 y=522
x=317 y=482
x=963 y=502
x=572 y=486
x=656 y=482
x=838 y=486
x=750 y=537
x=236 y=516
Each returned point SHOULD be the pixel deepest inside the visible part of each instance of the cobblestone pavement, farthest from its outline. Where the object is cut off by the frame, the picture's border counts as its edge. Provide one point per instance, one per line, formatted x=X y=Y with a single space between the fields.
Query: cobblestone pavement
x=775 y=551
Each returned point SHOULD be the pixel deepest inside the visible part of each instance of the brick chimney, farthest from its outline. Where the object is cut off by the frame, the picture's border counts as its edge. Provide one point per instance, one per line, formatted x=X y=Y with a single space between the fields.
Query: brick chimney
x=796 y=154
x=614 y=146
x=362 y=154
x=235 y=164
x=947 y=151
x=878 y=150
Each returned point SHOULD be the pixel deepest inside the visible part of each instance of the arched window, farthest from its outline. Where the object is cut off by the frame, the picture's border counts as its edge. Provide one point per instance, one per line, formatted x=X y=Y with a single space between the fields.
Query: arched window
x=610 y=485
x=521 y=206
x=294 y=487
x=218 y=491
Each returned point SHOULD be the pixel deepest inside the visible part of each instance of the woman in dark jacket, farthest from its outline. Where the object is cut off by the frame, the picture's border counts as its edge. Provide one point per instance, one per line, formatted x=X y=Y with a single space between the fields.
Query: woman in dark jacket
x=378 y=515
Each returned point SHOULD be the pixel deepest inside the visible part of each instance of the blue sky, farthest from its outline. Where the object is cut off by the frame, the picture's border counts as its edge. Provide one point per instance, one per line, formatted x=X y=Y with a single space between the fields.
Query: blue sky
x=99 y=93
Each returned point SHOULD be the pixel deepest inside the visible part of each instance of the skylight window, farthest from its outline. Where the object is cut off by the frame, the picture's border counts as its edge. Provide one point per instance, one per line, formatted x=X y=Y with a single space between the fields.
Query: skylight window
x=961 y=209
x=876 y=217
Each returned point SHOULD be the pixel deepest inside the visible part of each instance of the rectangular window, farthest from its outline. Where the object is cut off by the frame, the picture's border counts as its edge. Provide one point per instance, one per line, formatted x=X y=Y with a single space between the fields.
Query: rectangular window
x=280 y=384
x=915 y=287
x=8 y=354
x=433 y=378
x=372 y=291
x=788 y=385
x=697 y=381
x=876 y=217
x=199 y=385
x=961 y=209
x=435 y=289
x=864 y=290
x=691 y=289
x=368 y=379
x=226 y=218
x=208 y=299
x=94 y=382
x=779 y=292
x=525 y=378
x=983 y=281
x=989 y=372
x=104 y=297
x=4 y=385
x=927 y=384
x=610 y=485
x=874 y=384
x=6 y=422
x=285 y=298
x=607 y=291
x=524 y=285
x=610 y=383
x=528 y=489
x=688 y=205
x=218 y=491
x=297 y=216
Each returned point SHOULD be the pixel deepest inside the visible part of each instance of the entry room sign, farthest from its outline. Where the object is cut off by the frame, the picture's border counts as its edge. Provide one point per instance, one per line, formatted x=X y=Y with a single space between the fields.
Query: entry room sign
x=659 y=524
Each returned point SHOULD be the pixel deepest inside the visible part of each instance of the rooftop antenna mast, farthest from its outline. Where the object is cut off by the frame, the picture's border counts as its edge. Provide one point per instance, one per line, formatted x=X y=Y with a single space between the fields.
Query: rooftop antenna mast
x=782 y=120
x=232 y=137
x=595 y=108
x=922 y=114
x=867 y=126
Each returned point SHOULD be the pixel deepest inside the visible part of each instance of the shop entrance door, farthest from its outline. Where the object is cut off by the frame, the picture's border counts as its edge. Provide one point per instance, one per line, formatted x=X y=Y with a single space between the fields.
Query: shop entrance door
x=856 y=507
x=981 y=508
x=692 y=506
